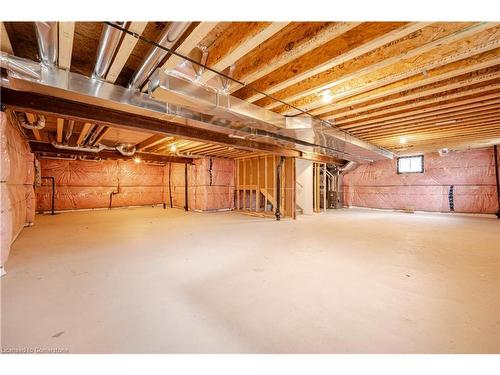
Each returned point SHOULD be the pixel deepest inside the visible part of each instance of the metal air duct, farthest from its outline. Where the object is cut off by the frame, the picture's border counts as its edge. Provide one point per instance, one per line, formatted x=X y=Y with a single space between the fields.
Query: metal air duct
x=110 y=39
x=47 y=38
x=167 y=39
x=20 y=66
x=22 y=119
x=196 y=106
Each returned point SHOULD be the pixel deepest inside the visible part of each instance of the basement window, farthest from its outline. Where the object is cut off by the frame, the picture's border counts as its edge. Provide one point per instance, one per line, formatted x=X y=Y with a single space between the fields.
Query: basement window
x=411 y=164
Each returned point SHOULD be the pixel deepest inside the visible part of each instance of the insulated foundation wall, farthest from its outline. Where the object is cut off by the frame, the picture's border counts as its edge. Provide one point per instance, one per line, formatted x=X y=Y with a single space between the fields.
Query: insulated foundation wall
x=101 y=184
x=16 y=177
x=471 y=173
x=118 y=183
x=210 y=185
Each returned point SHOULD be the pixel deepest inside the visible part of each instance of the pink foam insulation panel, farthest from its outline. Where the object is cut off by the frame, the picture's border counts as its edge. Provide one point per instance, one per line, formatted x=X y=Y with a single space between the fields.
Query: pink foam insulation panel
x=117 y=183
x=210 y=184
x=16 y=177
x=100 y=184
x=471 y=173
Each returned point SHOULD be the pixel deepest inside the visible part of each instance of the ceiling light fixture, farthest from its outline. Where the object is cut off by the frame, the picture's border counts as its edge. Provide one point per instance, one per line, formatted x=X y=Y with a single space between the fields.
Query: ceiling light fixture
x=173 y=147
x=326 y=96
x=444 y=151
x=137 y=160
x=402 y=140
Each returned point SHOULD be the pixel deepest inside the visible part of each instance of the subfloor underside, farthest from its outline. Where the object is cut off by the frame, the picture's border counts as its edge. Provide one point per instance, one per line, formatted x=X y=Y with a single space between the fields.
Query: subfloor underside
x=149 y=280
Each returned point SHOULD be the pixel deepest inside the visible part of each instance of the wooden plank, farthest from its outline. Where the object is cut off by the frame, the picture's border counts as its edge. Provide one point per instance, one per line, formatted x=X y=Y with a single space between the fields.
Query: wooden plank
x=428 y=117
x=60 y=129
x=151 y=141
x=430 y=126
x=237 y=162
x=428 y=112
x=448 y=71
x=191 y=41
x=240 y=46
x=411 y=45
x=472 y=129
x=84 y=132
x=274 y=190
x=5 y=45
x=66 y=34
x=438 y=89
x=244 y=184
x=350 y=45
x=486 y=41
x=257 y=192
x=293 y=41
x=57 y=107
x=104 y=131
x=265 y=184
x=126 y=47
x=480 y=93
x=37 y=134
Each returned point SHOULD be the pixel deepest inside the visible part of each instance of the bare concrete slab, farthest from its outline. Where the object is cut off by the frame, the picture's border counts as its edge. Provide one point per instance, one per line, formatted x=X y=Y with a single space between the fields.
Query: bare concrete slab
x=149 y=280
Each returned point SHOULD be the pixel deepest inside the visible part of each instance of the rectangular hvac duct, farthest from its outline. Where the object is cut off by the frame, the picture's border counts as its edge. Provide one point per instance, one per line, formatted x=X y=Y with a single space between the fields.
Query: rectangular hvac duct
x=178 y=89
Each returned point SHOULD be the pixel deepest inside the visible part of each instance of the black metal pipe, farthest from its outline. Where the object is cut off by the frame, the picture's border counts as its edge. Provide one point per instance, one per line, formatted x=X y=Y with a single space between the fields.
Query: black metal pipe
x=277 y=211
x=53 y=192
x=170 y=184
x=186 y=207
x=495 y=152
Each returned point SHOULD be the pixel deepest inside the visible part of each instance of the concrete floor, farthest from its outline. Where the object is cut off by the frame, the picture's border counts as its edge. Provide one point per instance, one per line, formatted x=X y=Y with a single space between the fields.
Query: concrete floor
x=149 y=280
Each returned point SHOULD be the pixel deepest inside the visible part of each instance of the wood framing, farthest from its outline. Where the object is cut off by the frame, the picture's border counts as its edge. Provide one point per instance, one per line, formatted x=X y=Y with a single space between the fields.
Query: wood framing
x=226 y=52
x=255 y=185
x=5 y=44
x=191 y=41
x=126 y=48
x=66 y=34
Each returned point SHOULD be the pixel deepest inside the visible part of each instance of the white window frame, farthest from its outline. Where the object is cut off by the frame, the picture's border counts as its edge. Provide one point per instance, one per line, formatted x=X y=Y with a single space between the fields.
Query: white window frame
x=415 y=157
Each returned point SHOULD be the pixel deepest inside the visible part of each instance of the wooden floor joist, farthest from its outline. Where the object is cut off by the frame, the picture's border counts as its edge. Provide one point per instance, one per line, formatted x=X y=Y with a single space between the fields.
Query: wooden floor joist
x=320 y=59
x=379 y=81
x=66 y=34
x=425 y=39
x=394 y=73
x=225 y=53
x=126 y=47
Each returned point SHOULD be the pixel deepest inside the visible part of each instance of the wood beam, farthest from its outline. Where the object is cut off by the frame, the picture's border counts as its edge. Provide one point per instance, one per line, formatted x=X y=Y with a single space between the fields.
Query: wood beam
x=479 y=93
x=151 y=141
x=290 y=43
x=37 y=134
x=460 y=85
x=348 y=46
x=41 y=147
x=60 y=129
x=126 y=48
x=378 y=97
x=473 y=131
x=454 y=142
x=226 y=51
x=486 y=41
x=416 y=43
x=191 y=41
x=429 y=126
x=66 y=34
x=83 y=133
x=57 y=107
x=423 y=113
x=5 y=44
x=99 y=138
